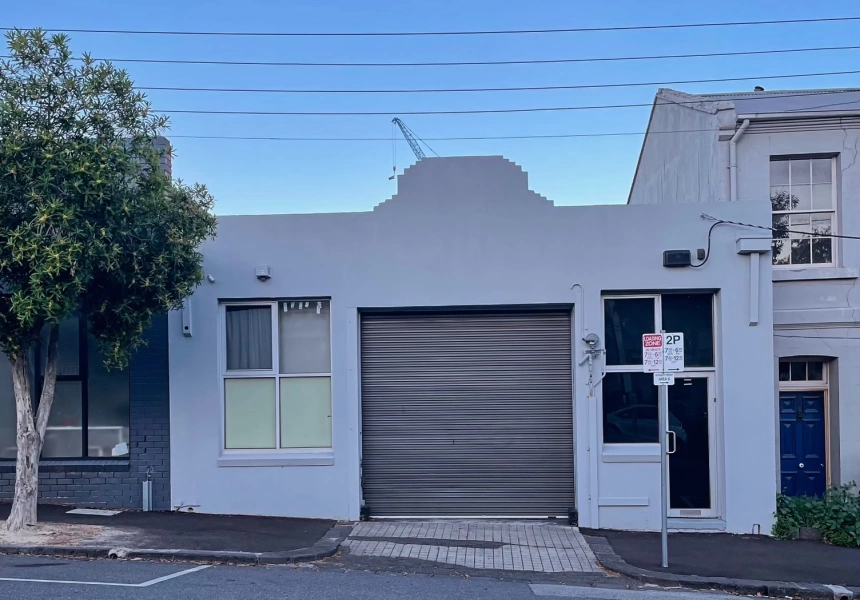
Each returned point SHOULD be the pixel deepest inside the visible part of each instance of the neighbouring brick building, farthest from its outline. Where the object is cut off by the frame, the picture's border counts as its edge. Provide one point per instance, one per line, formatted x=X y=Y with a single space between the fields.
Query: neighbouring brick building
x=108 y=429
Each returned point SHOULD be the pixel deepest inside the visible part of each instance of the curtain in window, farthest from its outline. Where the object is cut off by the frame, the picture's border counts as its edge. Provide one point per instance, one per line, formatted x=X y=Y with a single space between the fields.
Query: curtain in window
x=249 y=338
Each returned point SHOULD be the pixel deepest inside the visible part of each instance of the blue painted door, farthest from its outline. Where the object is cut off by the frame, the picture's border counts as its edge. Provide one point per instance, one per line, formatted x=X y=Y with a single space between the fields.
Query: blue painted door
x=802 y=443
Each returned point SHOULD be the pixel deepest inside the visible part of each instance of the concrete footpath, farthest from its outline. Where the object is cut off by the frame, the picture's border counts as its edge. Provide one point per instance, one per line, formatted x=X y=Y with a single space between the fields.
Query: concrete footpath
x=177 y=536
x=741 y=564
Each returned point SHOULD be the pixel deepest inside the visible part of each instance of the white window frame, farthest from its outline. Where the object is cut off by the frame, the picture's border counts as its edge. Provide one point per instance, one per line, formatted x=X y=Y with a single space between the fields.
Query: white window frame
x=650 y=452
x=277 y=456
x=834 y=211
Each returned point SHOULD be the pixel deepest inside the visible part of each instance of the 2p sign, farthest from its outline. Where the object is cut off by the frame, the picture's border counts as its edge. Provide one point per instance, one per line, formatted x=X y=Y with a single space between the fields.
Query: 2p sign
x=663 y=352
x=673 y=352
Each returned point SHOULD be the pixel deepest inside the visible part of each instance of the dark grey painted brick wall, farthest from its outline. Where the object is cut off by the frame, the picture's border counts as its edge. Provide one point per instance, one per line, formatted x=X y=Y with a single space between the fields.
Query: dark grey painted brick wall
x=118 y=484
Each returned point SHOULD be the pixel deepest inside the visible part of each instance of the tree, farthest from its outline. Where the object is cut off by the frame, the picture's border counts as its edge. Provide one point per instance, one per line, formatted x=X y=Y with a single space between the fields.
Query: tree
x=90 y=224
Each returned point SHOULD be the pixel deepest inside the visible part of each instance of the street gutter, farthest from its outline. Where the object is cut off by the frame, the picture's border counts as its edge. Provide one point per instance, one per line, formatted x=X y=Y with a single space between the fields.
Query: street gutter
x=325 y=547
x=610 y=560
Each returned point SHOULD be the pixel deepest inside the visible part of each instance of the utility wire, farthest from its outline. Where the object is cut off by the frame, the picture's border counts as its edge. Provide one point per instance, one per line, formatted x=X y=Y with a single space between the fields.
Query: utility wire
x=774 y=229
x=698 y=100
x=488 y=89
x=417 y=112
x=449 y=33
x=470 y=63
x=446 y=139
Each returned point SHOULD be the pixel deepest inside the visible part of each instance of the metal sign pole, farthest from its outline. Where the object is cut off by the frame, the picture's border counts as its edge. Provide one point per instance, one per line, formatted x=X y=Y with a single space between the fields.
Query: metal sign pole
x=664 y=472
x=663 y=398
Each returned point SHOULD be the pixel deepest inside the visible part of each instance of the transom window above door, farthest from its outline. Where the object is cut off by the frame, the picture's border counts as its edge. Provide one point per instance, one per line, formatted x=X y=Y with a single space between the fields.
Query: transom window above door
x=801 y=370
x=276 y=371
x=803 y=202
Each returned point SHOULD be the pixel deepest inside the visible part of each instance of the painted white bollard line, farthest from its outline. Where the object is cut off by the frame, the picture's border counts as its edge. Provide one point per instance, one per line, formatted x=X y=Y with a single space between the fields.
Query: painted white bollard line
x=111 y=584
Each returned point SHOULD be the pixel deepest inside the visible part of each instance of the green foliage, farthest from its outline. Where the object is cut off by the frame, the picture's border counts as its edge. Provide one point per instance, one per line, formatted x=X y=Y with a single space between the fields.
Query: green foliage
x=89 y=221
x=836 y=515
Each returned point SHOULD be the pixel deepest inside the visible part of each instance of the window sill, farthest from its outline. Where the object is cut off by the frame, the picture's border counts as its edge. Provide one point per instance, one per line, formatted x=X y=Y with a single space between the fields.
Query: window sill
x=79 y=465
x=814 y=273
x=303 y=459
x=631 y=453
x=696 y=524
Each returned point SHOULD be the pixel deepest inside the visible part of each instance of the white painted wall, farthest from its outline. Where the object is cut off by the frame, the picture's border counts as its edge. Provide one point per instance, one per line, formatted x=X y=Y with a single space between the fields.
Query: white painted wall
x=468 y=231
x=819 y=303
x=681 y=160
x=809 y=303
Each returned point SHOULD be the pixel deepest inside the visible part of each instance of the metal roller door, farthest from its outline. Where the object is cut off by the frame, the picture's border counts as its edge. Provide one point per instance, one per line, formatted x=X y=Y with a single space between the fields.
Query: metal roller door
x=467 y=414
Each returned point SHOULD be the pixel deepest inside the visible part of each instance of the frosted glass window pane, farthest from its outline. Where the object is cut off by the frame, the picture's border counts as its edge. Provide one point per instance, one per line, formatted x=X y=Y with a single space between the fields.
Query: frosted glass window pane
x=63 y=436
x=822 y=170
x=249 y=413
x=800 y=171
x=779 y=172
x=69 y=349
x=304 y=338
x=822 y=195
x=107 y=406
x=306 y=412
x=249 y=338
x=7 y=410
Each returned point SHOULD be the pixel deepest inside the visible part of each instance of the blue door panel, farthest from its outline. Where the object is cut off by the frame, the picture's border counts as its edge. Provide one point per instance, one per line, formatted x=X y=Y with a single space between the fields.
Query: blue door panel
x=802 y=443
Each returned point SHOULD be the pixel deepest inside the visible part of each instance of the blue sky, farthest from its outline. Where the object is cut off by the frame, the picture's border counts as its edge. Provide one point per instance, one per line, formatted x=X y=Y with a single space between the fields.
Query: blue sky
x=278 y=176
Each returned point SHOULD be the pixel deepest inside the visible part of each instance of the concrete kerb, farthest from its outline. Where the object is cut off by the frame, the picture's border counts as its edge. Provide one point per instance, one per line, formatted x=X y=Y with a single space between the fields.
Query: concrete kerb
x=609 y=560
x=325 y=547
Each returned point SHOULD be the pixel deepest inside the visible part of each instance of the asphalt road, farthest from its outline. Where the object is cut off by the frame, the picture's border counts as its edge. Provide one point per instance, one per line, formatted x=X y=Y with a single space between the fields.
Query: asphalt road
x=37 y=578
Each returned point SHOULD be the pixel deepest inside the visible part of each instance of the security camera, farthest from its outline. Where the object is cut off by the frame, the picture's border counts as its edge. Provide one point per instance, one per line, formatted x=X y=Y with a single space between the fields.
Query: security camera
x=263 y=273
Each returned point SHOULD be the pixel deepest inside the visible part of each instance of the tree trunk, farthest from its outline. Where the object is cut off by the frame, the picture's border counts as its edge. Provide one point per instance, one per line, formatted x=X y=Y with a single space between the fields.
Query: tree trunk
x=31 y=432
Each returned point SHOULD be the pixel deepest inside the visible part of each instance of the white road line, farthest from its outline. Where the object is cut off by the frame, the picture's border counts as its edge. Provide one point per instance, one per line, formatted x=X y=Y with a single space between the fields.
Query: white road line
x=173 y=576
x=70 y=582
x=104 y=583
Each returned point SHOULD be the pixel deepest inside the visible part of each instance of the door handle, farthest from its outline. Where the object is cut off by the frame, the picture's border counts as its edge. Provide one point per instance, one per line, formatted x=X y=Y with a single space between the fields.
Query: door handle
x=674 y=442
x=800 y=465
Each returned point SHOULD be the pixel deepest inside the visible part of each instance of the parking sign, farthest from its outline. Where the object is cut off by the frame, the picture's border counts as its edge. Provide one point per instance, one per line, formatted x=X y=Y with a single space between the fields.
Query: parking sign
x=663 y=352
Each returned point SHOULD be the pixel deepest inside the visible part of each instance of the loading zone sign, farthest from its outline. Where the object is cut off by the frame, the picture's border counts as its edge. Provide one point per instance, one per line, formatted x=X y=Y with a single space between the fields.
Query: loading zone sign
x=662 y=353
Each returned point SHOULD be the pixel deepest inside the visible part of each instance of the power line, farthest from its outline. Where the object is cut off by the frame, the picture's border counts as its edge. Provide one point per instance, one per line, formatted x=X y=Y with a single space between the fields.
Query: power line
x=273 y=113
x=449 y=33
x=489 y=89
x=472 y=63
x=489 y=111
x=445 y=139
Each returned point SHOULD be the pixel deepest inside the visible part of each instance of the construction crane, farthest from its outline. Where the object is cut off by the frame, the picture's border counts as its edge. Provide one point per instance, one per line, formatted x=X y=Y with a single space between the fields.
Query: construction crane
x=413 y=140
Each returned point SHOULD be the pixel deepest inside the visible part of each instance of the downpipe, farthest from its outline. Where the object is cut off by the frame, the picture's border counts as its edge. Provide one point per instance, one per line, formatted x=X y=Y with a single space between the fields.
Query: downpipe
x=733 y=160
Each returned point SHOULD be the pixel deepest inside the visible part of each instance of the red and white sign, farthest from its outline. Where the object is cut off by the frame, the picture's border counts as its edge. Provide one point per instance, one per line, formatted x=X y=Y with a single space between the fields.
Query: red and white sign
x=662 y=353
x=652 y=353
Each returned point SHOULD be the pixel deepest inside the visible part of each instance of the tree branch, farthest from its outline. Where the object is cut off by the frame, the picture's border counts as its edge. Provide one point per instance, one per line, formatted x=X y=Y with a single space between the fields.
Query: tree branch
x=50 y=383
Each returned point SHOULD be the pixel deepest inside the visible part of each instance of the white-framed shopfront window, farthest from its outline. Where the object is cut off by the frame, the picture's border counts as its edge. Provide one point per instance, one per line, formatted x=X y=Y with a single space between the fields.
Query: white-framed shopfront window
x=630 y=401
x=275 y=371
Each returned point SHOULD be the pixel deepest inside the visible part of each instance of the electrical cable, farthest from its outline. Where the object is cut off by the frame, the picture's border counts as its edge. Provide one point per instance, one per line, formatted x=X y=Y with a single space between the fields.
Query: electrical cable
x=449 y=33
x=708 y=251
x=717 y=222
x=656 y=102
x=497 y=89
x=806 y=233
x=470 y=63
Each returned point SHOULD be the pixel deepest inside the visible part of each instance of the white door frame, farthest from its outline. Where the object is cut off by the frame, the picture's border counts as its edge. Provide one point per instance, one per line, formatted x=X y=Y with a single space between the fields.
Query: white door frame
x=712 y=512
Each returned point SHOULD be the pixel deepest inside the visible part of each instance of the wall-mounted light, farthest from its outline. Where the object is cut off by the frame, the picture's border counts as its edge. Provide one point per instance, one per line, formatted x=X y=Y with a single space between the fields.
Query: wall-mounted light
x=263 y=272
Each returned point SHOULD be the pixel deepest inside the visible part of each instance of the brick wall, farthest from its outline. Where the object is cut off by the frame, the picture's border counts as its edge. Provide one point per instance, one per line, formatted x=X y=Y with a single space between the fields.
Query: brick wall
x=111 y=483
